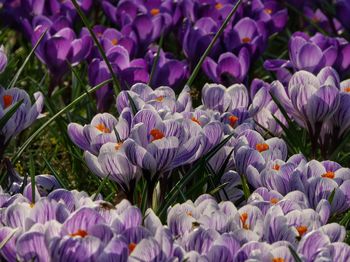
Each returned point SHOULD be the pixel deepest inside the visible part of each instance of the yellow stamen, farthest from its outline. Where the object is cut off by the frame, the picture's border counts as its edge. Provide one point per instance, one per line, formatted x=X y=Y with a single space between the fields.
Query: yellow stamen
x=218 y=6
x=103 y=128
x=154 y=11
x=246 y=40
x=114 y=41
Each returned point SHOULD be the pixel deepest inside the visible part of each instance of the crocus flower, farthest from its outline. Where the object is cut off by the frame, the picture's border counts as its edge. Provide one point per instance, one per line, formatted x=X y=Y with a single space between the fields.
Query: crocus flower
x=3 y=59
x=25 y=115
x=342 y=9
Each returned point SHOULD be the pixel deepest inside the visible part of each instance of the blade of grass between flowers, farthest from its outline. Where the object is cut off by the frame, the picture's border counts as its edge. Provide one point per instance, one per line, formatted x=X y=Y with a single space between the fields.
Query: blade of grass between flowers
x=8 y=238
x=15 y=78
x=55 y=174
x=171 y=196
x=218 y=188
x=99 y=189
x=294 y=254
x=116 y=85
x=245 y=187
x=10 y=113
x=223 y=167
x=211 y=45
x=344 y=142
x=32 y=176
x=156 y=59
x=132 y=104
x=48 y=122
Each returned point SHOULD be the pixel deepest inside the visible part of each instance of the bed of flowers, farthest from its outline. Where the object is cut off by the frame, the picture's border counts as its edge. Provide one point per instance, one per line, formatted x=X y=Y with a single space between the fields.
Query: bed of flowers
x=163 y=130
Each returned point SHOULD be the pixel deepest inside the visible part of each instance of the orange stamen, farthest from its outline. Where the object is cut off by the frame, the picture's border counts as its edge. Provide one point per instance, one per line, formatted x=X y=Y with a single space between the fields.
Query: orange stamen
x=246 y=40
x=103 y=128
x=157 y=134
x=274 y=201
x=154 y=11
x=276 y=167
x=79 y=233
x=329 y=174
x=218 y=6
x=131 y=246
x=7 y=101
x=160 y=98
x=278 y=259
x=189 y=213
x=262 y=147
x=196 y=120
x=243 y=219
x=268 y=11
x=347 y=89
x=301 y=230
x=118 y=145
x=233 y=120
x=114 y=41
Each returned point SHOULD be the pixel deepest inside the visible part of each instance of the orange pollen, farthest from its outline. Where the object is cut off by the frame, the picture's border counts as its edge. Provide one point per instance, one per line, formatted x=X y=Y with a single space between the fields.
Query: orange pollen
x=7 y=100
x=189 y=213
x=131 y=246
x=79 y=233
x=118 y=145
x=196 y=120
x=243 y=219
x=154 y=11
x=274 y=201
x=301 y=230
x=268 y=11
x=278 y=259
x=159 y=98
x=103 y=128
x=157 y=134
x=276 y=167
x=246 y=40
x=114 y=41
x=31 y=205
x=347 y=89
x=329 y=174
x=233 y=120
x=218 y=6
x=262 y=147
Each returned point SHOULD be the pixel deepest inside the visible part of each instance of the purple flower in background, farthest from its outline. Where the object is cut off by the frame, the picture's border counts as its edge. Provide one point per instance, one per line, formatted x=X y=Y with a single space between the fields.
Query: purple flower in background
x=229 y=69
x=342 y=11
x=169 y=71
x=3 y=59
x=25 y=115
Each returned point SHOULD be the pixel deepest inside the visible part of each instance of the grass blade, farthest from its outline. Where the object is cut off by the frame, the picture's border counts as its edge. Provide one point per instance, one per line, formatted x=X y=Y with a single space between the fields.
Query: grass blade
x=9 y=114
x=156 y=59
x=55 y=174
x=104 y=181
x=294 y=254
x=15 y=78
x=32 y=176
x=59 y=113
x=99 y=46
x=8 y=238
x=213 y=41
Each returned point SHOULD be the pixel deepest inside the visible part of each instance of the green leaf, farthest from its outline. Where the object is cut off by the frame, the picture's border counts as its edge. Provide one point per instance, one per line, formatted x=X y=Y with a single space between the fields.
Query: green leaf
x=132 y=104
x=116 y=85
x=156 y=59
x=245 y=187
x=9 y=114
x=32 y=176
x=218 y=188
x=53 y=118
x=294 y=254
x=331 y=197
x=55 y=174
x=211 y=45
x=104 y=181
x=15 y=78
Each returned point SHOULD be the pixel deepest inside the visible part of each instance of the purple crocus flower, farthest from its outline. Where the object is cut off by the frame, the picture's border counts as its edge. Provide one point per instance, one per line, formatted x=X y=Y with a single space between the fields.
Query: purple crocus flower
x=229 y=69
x=342 y=9
x=3 y=59
x=25 y=115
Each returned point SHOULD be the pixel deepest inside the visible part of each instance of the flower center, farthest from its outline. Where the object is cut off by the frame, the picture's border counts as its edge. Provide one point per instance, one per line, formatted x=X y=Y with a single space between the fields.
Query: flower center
x=278 y=259
x=103 y=128
x=196 y=120
x=189 y=213
x=131 y=247
x=347 y=89
x=246 y=40
x=268 y=11
x=159 y=98
x=276 y=167
x=155 y=11
x=79 y=233
x=118 y=146
x=274 y=201
x=114 y=41
x=7 y=101
x=31 y=205
x=233 y=120
x=218 y=6
x=329 y=174
x=301 y=230
x=157 y=134
x=244 y=218
x=262 y=147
